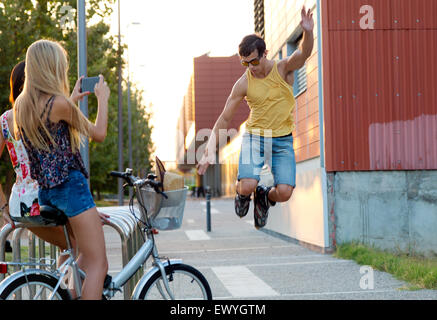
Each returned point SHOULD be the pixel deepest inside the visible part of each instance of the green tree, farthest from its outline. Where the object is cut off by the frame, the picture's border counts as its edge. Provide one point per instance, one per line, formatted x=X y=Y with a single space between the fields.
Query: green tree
x=21 y=23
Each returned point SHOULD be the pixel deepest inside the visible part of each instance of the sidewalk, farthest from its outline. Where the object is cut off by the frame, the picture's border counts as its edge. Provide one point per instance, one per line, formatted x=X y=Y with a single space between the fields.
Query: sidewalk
x=241 y=262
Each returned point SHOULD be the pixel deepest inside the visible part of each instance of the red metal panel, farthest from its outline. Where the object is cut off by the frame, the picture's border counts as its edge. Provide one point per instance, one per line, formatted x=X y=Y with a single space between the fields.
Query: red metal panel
x=213 y=81
x=414 y=85
x=379 y=92
x=419 y=14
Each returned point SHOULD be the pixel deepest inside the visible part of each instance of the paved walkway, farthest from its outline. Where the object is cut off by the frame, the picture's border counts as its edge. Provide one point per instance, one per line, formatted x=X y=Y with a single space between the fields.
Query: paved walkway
x=243 y=263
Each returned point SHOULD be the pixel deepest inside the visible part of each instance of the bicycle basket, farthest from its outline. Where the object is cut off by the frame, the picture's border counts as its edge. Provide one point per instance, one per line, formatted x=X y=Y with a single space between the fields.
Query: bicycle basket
x=165 y=214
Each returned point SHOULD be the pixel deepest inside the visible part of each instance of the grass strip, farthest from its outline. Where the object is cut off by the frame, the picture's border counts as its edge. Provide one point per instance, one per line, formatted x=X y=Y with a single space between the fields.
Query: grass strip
x=25 y=253
x=420 y=272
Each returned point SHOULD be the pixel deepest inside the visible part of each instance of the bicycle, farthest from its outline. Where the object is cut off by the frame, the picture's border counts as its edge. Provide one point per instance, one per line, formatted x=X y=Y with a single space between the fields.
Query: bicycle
x=168 y=278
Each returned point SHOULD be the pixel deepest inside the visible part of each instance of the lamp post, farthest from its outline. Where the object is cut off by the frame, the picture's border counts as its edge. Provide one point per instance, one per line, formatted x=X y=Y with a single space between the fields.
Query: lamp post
x=120 y=116
x=129 y=111
x=82 y=71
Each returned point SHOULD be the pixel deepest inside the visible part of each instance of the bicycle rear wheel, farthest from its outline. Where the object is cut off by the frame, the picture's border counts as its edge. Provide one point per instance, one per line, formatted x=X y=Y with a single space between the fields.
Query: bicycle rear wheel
x=34 y=286
x=186 y=283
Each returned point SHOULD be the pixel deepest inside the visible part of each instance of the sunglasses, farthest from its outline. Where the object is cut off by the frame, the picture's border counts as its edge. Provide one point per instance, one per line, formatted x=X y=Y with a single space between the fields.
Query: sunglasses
x=254 y=62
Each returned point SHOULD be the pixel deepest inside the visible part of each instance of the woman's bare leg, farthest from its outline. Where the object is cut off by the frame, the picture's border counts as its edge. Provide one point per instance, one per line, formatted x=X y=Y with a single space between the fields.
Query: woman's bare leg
x=88 y=232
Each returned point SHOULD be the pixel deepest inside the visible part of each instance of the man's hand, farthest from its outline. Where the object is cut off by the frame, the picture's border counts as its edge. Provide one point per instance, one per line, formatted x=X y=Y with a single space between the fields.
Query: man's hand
x=307 y=22
x=204 y=163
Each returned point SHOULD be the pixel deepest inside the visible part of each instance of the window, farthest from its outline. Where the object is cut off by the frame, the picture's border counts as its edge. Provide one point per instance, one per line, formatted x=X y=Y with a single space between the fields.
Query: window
x=300 y=76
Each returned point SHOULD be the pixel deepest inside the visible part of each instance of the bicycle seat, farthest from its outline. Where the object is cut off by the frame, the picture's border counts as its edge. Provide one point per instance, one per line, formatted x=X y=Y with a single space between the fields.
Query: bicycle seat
x=53 y=215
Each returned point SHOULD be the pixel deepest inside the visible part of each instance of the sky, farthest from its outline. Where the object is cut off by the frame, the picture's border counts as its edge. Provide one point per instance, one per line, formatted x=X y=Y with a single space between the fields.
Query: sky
x=162 y=47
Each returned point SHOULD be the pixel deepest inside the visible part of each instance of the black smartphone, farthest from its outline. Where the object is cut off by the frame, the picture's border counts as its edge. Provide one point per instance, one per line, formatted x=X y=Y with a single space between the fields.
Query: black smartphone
x=88 y=84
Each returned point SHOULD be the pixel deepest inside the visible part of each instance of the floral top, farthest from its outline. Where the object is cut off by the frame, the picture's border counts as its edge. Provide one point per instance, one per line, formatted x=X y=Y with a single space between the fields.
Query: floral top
x=51 y=168
x=23 y=201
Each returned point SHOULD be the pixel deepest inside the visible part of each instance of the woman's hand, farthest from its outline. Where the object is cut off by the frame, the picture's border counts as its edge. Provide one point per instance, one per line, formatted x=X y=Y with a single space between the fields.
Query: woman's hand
x=99 y=129
x=76 y=95
x=104 y=217
x=7 y=217
x=102 y=90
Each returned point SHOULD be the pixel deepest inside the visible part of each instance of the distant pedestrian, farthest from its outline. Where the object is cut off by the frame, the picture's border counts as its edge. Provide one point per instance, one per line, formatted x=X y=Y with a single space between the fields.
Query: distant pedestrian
x=267 y=87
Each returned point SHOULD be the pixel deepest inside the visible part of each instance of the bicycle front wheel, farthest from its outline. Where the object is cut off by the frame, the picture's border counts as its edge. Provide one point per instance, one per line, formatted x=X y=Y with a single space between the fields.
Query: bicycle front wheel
x=34 y=286
x=186 y=283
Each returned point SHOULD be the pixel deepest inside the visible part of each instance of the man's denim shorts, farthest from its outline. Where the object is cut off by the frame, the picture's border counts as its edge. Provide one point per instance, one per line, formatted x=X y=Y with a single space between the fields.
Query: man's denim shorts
x=277 y=153
x=72 y=196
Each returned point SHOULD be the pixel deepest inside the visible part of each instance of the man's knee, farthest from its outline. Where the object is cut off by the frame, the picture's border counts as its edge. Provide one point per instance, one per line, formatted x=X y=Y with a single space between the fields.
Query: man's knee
x=246 y=186
x=283 y=192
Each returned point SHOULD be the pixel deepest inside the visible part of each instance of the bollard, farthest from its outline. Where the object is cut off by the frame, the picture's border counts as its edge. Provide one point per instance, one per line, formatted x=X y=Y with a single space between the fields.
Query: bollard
x=208 y=208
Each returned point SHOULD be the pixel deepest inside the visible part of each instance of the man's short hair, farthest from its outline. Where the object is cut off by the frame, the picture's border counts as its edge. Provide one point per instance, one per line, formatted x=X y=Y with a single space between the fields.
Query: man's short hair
x=250 y=43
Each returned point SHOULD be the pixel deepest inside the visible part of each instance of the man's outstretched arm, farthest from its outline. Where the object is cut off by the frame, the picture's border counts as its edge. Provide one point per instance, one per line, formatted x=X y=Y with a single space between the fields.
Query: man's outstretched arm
x=237 y=95
x=298 y=58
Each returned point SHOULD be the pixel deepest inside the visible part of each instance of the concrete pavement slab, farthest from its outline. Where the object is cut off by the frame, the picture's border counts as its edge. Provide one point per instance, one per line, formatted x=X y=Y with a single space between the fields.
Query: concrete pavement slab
x=234 y=251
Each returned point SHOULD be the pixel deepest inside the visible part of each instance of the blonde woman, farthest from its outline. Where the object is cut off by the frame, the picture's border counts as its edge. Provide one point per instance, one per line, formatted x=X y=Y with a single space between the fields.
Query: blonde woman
x=50 y=125
x=23 y=203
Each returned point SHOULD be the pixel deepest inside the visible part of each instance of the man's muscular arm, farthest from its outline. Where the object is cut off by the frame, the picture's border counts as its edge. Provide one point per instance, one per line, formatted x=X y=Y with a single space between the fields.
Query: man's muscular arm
x=237 y=95
x=298 y=58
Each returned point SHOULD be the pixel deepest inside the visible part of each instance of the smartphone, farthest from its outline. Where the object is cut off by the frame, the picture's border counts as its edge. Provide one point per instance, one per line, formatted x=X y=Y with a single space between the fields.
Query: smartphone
x=88 y=84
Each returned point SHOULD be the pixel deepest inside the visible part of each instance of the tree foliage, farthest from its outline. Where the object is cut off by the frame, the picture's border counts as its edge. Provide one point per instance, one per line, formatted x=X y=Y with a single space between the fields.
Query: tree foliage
x=22 y=22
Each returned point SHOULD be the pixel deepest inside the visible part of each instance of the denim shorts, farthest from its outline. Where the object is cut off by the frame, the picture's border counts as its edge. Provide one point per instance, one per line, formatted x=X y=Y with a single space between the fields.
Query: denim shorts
x=277 y=153
x=72 y=196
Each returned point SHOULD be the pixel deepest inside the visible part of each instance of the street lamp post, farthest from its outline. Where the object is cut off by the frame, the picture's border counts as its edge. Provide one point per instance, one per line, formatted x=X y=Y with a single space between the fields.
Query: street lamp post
x=82 y=71
x=120 y=116
x=129 y=111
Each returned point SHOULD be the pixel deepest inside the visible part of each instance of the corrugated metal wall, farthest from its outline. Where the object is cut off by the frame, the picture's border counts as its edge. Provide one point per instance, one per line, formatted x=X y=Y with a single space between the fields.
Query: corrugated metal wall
x=380 y=85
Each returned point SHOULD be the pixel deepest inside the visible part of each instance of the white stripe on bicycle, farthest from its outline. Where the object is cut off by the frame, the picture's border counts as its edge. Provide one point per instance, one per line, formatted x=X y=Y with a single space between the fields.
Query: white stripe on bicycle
x=241 y=282
x=197 y=235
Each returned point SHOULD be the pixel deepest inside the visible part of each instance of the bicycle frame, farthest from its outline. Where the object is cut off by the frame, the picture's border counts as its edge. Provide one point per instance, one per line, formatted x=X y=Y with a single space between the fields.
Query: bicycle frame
x=147 y=249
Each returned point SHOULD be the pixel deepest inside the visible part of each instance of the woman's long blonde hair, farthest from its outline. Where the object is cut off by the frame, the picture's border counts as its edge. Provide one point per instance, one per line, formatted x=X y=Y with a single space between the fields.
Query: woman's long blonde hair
x=46 y=72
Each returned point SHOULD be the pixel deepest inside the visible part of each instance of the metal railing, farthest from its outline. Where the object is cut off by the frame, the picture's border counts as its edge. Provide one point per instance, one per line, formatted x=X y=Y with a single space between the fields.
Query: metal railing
x=121 y=220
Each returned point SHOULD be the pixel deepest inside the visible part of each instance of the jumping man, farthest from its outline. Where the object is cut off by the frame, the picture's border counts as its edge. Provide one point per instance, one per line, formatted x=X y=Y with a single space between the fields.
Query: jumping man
x=267 y=87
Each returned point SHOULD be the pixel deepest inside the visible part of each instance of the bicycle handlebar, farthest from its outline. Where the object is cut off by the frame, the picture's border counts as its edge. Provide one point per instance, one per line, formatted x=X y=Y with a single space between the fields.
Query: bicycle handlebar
x=117 y=174
x=135 y=181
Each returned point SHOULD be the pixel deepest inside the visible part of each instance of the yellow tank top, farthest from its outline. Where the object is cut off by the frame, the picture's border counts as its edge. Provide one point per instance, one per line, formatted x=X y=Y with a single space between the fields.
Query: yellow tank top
x=271 y=104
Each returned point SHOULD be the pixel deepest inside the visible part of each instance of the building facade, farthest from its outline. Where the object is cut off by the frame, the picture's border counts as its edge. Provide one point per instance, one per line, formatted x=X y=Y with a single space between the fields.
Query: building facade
x=366 y=130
